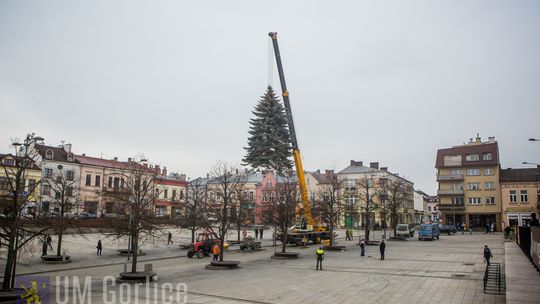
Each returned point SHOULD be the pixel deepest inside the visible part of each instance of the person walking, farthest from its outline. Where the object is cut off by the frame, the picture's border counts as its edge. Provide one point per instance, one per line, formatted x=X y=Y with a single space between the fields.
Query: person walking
x=319 y=253
x=99 y=247
x=362 y=247
x=261 y=234
x=492 y=228
x=44 y=248
x=244 y=233
x=215 y=252
x=382 y=248
x=49 y=242
x=487 y=254
x=169 y=238
x=256 y=233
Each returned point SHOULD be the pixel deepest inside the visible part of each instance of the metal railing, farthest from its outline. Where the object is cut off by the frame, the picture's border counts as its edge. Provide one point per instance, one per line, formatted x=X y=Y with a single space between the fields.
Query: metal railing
x=494 y=279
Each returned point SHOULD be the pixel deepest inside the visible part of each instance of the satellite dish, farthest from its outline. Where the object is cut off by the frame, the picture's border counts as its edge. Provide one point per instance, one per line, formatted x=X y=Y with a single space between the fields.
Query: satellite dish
x=60 y=167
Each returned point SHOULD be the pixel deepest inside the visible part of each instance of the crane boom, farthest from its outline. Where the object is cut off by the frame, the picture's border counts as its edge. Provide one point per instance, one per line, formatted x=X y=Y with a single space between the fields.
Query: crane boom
x=296 y=151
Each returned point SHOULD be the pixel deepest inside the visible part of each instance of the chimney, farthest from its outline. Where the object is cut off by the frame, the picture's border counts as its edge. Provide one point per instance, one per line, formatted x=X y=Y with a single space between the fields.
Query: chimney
x=491 y=139
x=236 y=170
x=478 y=138
x=356 y=163
x=157 y=170
x=129 y=159
x=164 y=171
x=83 y=154
x=329 y=172
x=374 y=165
x=384 y=169
x=207 y=175
x=115 y=158
x=67 y=148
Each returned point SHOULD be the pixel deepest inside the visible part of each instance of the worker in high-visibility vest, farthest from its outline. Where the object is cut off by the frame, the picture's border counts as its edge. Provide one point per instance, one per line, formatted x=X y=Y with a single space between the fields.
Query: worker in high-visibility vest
x=319 y=253
x=215 y=252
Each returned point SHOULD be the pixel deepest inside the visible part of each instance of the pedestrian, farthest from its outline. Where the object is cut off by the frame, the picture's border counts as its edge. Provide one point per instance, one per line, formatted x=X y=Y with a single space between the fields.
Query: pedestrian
x=99 y=247
x=261 y=234
x=462 y=228
x=215 y=252
x=534 y=220
x=487 y=228
x=256 y=233
x=44 y=248
x=244 y=233
x=351 y=234
x=169 y=238
x=362 y=247
x=49 y=242
x=319 y=254
x=382 y=248
x=492 y=228
x=487 y=254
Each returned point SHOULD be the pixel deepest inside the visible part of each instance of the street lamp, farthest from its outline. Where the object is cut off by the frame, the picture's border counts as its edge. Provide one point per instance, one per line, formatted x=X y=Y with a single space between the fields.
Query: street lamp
x=534 y=139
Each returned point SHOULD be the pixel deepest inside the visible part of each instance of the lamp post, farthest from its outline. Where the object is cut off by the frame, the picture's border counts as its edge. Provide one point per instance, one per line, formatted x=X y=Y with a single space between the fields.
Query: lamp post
x=534 y=139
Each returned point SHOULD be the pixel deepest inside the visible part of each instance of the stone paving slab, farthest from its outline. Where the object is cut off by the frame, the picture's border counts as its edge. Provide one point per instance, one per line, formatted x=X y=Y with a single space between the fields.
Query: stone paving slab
x=522 y=279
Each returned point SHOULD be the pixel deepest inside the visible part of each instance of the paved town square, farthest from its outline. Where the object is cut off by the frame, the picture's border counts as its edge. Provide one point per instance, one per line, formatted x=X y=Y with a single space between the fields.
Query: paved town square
x=449 y=270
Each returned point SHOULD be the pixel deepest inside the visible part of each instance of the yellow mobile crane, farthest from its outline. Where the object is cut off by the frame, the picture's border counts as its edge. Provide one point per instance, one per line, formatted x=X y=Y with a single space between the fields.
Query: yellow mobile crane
x=313 y=231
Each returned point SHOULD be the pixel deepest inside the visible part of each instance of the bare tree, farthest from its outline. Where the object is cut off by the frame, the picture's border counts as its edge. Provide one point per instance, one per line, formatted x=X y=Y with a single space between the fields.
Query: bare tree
x=226 y=182
x=368 y=204
x=17 y=192
x=330 y=203
x=135 y=195
x=397 y=194
x=280 y=210
x=63 y=188
x=241 y=213
x=193 y=218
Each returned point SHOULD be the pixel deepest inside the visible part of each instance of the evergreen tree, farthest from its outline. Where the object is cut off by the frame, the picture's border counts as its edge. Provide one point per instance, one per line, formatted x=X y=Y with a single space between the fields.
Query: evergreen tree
x=269 y=143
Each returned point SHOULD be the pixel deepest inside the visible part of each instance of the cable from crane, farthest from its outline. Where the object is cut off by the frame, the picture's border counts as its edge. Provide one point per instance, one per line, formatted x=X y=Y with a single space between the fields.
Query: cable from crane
x=270 y=62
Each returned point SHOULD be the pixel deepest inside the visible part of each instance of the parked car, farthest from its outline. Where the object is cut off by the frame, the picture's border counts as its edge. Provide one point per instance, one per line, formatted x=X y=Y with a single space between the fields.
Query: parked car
x=450 y=229
x=85 y=216
x=429 y=232
x=402 y=230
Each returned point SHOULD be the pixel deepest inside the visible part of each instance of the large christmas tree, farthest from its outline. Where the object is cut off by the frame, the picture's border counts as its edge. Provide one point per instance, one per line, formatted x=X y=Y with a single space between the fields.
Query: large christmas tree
x=269 y=143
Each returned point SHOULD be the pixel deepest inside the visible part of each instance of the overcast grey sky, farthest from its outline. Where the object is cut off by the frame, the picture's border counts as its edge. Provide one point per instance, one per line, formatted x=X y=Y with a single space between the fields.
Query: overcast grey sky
x=386 y=81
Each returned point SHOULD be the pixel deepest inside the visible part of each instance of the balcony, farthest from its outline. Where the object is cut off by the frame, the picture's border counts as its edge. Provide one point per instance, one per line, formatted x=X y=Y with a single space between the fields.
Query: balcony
x=449 y=177
x=451 y=192
x=448 y=207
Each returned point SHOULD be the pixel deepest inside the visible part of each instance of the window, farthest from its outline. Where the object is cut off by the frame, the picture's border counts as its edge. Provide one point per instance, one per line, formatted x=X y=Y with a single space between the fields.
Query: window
x=488 y=171
x=489 y=186
x=473 y=171
x=181 y=194
x=110 y=181
x=455 y=172
x=268 y=184
x=429 y=208
x=513 y=196
x=174 y=195
x=351 y=200
x=487 y=156
x=4 y=183
x=475 y=201
x=98 y=180
x=46 y=190
x=350 y=184
x=524 y=195
x=49 y=154
x=490 y=200
x=473 y=186
x=69 y=191
x=122 y=183
x=88 y=179
x=457 y=200
x=31 y=185
x=165 y=193
x=116 y=183
x=70 y=175
x=9 y=162
x=265 y=197
x=452 y=160
x=251 y=195
x=472 y=157
x=48 y=172
x=457 y=187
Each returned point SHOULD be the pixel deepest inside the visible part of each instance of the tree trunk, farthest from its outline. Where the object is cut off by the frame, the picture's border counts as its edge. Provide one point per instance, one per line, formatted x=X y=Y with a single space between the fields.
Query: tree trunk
x=134 y=251
x=284 y=238
x=366 y=227
x=331 y=233
x=59 y=245
x=238 y=228
x=6 y=284
x=222 y=239
x=193 y=235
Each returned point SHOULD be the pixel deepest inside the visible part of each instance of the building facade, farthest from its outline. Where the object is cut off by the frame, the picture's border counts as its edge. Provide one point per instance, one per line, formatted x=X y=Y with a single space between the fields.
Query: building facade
x=520 y=193
x=172 y=188
x=468 y=184
x=10 y=165
x=432 y=209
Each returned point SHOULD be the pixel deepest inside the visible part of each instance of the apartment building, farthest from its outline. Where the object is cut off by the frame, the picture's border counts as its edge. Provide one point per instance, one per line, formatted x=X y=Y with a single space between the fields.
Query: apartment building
x=468 y=184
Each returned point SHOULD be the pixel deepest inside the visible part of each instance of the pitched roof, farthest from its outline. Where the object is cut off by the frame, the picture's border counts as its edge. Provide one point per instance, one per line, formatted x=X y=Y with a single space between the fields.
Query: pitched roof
x=520 y=175
x=352 y=169
x=59 y=154
x=108 y=163
x=322 y=178
x=9 y=155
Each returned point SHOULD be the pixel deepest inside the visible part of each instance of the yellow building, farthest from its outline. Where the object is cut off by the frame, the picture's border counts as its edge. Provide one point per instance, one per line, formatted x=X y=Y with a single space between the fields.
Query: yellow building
x=9 y=166
x=520 y=193
x=469 y=190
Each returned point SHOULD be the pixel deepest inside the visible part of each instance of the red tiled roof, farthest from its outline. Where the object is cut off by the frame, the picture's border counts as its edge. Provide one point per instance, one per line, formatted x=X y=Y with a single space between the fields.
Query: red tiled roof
x=492 y=148
x=59 y=154
x=100 y=162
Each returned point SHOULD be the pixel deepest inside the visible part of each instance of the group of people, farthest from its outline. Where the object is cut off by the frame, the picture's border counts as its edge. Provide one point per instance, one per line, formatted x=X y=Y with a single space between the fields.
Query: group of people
x=258 y=233
x=490 y=228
